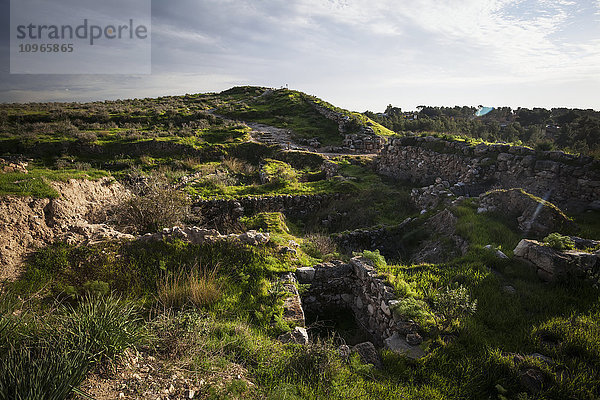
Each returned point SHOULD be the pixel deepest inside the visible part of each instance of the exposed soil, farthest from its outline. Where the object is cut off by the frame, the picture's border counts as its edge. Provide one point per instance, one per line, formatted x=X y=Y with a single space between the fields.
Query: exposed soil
x=78 y=215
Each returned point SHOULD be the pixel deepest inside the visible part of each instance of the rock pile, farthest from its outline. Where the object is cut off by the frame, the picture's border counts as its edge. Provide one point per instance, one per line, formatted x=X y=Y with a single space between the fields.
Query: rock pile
x=196 y=235
x=13 y=166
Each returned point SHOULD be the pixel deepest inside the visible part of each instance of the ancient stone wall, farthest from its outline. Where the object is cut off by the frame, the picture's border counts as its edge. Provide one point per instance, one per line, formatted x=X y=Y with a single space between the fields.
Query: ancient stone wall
x=388 y=240
x=569 y=181
x=360 y=143
x=219 y=210
x=357 y=286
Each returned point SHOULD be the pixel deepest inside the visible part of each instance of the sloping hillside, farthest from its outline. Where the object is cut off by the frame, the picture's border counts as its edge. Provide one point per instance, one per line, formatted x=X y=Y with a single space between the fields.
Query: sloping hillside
x=239 y=245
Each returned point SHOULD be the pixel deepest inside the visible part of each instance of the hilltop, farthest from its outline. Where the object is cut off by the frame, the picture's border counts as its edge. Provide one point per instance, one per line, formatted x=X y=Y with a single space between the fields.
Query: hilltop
x=263 y=243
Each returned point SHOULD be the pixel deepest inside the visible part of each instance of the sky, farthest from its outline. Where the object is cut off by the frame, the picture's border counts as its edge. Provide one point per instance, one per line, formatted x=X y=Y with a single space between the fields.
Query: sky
x=357 y=54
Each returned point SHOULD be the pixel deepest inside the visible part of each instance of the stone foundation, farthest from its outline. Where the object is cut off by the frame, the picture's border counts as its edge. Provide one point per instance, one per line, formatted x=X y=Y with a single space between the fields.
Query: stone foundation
x=356 y=286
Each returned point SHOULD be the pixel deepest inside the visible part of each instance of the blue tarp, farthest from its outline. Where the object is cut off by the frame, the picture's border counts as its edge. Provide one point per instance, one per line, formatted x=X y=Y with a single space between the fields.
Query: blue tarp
x=483 y=110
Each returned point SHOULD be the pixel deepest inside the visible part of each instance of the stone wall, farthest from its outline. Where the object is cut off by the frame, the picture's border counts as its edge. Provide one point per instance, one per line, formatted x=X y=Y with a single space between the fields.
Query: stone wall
x=360 y=143
x=223 y=210
x=356 y=286
x=564 y=179
x=388 y=240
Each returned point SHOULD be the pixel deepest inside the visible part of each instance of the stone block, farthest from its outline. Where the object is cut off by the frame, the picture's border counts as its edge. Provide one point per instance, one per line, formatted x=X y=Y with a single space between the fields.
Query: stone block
x=305 y=274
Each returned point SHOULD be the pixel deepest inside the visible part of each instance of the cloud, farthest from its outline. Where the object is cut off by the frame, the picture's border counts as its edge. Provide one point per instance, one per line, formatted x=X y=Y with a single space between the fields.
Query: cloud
x=358 y=48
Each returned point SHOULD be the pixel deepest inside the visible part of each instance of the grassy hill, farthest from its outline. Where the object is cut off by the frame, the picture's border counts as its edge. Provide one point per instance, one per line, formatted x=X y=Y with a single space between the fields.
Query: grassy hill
x=94 y=319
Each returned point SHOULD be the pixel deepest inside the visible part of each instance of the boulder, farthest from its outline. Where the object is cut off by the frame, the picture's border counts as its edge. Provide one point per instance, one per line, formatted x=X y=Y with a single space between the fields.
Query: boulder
x=552 y=264
x=399 y=345
x=368 y=354
x=534 y=215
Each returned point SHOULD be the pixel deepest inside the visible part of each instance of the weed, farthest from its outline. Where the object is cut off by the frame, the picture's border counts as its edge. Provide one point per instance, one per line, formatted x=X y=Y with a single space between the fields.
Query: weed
x=559 y=242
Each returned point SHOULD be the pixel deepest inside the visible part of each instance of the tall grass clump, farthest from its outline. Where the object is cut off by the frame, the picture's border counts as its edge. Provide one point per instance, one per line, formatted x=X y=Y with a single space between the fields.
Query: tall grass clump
x=101 y=327
x=197 y=288
x=44 y=370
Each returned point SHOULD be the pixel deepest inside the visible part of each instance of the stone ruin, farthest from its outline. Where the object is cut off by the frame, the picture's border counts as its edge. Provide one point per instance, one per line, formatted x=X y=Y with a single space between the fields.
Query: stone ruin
x=357 y=288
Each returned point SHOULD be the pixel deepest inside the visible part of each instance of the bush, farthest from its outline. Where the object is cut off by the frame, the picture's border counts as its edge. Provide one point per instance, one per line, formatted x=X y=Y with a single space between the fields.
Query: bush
x=318 y=245
x=156 y=204
x=414 y=309
x=452 y=305
x=559 y=242
x=278 y=173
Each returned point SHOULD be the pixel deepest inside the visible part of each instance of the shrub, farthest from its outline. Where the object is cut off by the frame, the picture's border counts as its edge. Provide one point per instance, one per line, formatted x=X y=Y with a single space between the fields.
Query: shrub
x=376 y=258
x=278 y=173
x=318 y=245
x=196 y=288
x=414 y=309
x=452 y=305
x=155 y=204
x=559 y=242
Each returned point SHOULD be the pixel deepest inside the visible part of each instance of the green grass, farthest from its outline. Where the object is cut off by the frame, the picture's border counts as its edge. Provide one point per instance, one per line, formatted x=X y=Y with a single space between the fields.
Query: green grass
x=36 y=182
x=286 y=109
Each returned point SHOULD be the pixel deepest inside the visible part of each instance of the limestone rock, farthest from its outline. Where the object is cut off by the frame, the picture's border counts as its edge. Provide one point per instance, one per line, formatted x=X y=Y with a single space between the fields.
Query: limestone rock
x=534 y=216
x=552 y=264
x=399 y=345
x=298 y=336
x=254 y=238
x=368 y=354
x=305 y=274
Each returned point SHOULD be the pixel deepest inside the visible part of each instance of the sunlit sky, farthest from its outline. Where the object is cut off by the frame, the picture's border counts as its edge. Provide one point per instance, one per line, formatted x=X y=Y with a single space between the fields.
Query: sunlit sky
x=358 y=54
